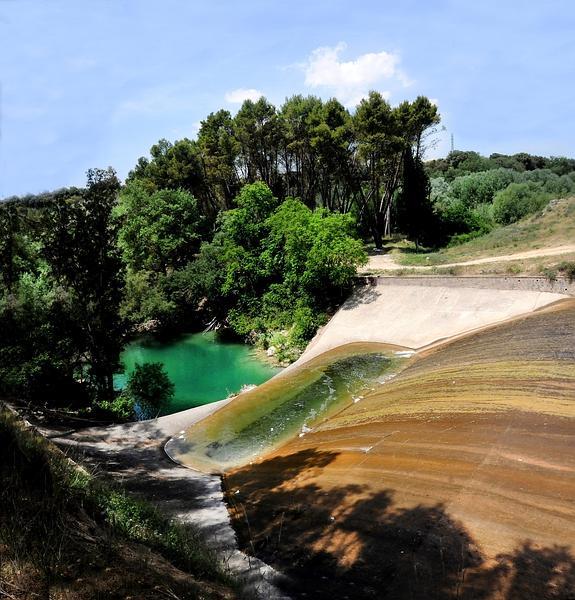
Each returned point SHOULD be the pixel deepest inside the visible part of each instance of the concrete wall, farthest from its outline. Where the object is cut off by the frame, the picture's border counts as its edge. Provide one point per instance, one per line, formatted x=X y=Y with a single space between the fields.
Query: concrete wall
x=531 y=284
x=414 y=312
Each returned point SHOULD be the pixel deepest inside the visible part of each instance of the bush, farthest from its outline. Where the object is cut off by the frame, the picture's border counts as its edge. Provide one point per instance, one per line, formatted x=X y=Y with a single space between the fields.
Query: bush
x=551 y=274
x=463 y=238
x=149 y=389
x=517 y=201
x=480 y=188
x=568 y=269
x=122 y=407
x=306 y=322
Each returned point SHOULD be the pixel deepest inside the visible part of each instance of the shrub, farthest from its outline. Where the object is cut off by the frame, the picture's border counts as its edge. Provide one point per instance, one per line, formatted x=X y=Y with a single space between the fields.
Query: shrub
x=149 y=389
x=568 y=269
x=306 y=322
x=463 y=238
x=518 y=200
x=551 y=274
x=121 y=407
x=480 y=188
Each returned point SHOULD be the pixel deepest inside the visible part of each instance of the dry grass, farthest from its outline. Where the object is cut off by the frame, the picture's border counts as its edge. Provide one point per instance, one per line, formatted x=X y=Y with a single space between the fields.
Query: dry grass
x=552 y=227
x=65 y=534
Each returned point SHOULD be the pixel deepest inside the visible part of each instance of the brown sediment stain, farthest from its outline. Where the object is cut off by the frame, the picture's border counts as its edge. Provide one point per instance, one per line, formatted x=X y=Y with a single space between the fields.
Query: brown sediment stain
x=454 y=480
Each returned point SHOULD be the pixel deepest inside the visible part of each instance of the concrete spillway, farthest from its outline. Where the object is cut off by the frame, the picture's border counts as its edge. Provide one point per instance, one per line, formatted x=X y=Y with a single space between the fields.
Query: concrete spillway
x=456 y=479
x=393 y=315
x=414 y=313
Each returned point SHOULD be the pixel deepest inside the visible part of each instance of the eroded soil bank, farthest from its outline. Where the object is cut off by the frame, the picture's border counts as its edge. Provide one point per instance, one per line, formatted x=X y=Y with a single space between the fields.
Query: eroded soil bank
x=454 y=480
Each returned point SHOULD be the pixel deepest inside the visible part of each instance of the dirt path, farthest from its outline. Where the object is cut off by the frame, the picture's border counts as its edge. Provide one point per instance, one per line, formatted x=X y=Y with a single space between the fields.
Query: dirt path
x=387 y=262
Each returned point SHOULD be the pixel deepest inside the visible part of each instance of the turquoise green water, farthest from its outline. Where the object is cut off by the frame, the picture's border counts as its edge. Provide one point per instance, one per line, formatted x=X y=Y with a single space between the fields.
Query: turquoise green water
x=283 y=408
x=202 y=368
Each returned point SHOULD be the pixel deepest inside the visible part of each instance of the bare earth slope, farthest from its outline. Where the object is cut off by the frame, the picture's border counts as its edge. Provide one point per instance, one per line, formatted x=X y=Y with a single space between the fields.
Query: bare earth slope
x=388 y=262
x=455 y=480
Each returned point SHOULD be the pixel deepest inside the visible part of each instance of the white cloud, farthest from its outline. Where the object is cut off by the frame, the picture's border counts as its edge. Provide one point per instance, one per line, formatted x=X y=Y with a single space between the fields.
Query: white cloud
x=241 y=94
x=351 y=80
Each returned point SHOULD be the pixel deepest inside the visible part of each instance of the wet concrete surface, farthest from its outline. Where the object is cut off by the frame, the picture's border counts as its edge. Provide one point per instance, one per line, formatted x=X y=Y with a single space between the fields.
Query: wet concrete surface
x=455 y=480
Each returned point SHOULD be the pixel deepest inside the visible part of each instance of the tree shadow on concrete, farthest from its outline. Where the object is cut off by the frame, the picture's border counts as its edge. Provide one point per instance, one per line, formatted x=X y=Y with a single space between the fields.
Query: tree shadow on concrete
x=137 y=461
x=364 y=293
x=349 y=542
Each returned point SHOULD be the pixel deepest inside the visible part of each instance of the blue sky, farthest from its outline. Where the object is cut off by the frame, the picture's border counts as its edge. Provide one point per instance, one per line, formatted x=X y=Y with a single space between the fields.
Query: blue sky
x=92 y=83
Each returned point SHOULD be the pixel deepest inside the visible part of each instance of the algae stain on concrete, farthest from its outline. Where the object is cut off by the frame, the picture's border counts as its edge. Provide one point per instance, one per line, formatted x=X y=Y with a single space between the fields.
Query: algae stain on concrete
x=285 y=407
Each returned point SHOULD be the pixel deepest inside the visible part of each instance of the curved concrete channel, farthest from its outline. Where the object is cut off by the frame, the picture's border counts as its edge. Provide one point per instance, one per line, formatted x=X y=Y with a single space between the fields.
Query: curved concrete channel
x=390 y=311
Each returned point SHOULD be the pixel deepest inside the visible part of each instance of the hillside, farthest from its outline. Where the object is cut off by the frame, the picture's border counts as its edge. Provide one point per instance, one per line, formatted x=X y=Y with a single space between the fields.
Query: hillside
x=542 y=242
x=67 y=535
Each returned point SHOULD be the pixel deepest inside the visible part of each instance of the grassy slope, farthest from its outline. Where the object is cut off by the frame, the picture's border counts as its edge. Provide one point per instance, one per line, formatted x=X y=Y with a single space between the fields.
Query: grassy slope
x=554 y=226
x=65 y=534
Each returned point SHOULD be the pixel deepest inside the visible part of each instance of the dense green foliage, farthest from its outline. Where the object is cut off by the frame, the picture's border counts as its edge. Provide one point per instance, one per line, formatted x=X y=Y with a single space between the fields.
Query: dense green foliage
x=458 y=163
x=83 y=268
x=160 y=230
x=61 y=295
x=283 y=265
x=414 y=212
x=310 y=149
x=518 y=200
x=469 y=202
x=257 y=227
x=149 y=389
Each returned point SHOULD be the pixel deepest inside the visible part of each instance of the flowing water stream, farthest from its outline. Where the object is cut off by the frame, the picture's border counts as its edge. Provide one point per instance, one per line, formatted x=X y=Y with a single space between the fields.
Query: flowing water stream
x=286 y=406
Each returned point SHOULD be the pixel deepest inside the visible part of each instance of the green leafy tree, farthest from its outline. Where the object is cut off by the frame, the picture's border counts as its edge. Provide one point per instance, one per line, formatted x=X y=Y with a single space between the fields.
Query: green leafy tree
x=176 y=166
x=219 y=150
x=383 y=134
x=159 y=231
x=333 y=144
x=284 y=264
x=301 y=116
x=259 y=132
x=14 y=248
x=458 y=163
x=80 y=246
x=312 y=253
x=380 y=149
x=417 y=122
x=40 y=359
x=196 y=290
x=242 y=232
x=149 y=388
x=415 y=216
x=146 y=299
